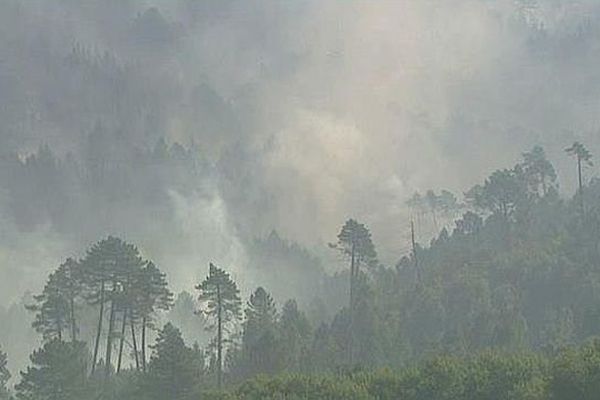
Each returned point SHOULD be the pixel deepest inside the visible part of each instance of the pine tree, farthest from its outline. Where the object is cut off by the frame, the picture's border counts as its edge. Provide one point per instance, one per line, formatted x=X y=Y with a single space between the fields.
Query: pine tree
x=72 y=289
x=295 y=331
x=132 y=296
x=127 y=262
x=55 y=306
x=58 y=372
x=51 y=311
x=354 y=242
x=260 y=348
x=584 y=158
x=260 y=313
x=502 y=192
x=222 y=304
x=150 y=294
x=100 y=259
x=108 y=269
x=173 y=369
x=538 y=171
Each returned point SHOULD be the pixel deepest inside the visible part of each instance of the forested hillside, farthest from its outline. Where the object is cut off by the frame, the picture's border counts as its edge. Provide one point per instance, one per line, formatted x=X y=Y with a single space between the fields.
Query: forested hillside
x=505 y=303
x=315 y=199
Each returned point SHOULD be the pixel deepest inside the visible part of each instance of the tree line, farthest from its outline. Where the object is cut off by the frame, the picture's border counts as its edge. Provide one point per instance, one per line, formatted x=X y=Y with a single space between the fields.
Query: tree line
x=515 y=281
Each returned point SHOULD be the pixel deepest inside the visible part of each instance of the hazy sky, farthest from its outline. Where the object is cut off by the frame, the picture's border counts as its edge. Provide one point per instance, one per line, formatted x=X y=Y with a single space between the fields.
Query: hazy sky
x=310 y=112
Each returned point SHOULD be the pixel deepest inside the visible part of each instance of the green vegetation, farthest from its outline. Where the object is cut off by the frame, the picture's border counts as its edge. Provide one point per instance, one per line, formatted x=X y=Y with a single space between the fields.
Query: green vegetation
x=571 y=374
x=223 y=306
x=503 y=305
x=174 y=373
x=58 y=372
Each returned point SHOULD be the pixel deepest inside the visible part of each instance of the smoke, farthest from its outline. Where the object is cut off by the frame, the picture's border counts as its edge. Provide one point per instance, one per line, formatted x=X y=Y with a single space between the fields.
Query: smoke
x=204 y=234
x=27 y=261
x=299 y=114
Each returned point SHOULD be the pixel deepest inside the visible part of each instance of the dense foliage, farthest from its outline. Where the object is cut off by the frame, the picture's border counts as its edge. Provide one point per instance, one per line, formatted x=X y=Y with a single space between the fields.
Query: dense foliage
x=174 y=373
x=571 y=374
x=502 y=304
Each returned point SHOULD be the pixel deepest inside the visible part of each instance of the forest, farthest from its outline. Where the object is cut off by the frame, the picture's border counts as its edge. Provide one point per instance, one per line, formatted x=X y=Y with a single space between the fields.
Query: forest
x=266 y=199
x=502 y=305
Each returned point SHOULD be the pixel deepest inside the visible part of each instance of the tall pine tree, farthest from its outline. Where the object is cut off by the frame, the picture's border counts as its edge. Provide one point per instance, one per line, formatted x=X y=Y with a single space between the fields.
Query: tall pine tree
x=222 y=305
x=354 y=243
x=260 y=343
x=584 y=158
x=150 y=293
x=55 y=306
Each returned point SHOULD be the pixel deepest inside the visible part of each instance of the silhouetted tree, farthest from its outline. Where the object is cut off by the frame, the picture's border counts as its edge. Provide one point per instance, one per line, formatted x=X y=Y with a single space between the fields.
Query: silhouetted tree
x=354 y=242
x=110 y=269
x=72 y=287
x=448 y=203
x=58 y=372
x=584 y=158
x=100 y=259
x=222 y=304
x=174 y=369
x=151 y=295
x=127 y=261
x=260 y=313
x=55 y=306
x=259 y=342
x=295 y=331
x=539 y=173
x=500 y=194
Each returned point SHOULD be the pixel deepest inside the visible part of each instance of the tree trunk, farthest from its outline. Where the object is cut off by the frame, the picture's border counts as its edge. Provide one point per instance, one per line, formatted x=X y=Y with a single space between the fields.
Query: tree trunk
x=544 y=186
x=352 y=303
x=580 y=180
x=219 y=340
x=99 y=329
x=144 y=344
x=135 y=349
x=435 y=223
x=579 y=177
x=59 y=328
x=122 y=340
x=111 y=323
x=73 y=323
x=414 y=253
